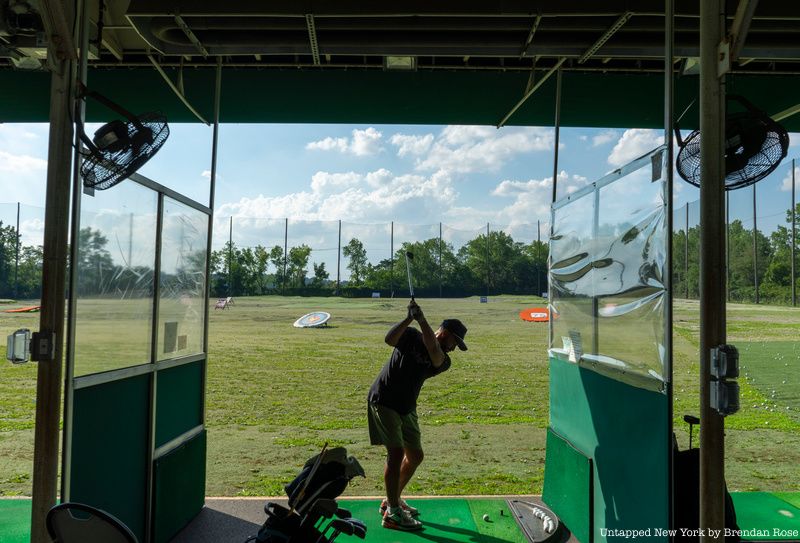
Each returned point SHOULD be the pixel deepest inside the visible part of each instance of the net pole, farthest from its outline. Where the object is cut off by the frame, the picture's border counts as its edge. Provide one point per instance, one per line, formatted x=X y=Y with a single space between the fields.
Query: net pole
x=686 y=256
x=230 y=257
x=794 y=286
x=487 y=260
x=440 y=260
x=539 y=257
x=391 y=260
x=16 y=260
x=339 y=258
x=755 y=245
x=130 y=242
x=285 y=250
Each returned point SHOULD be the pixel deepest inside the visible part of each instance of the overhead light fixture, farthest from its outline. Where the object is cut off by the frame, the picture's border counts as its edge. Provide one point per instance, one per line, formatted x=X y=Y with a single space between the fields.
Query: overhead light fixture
x=400 y=63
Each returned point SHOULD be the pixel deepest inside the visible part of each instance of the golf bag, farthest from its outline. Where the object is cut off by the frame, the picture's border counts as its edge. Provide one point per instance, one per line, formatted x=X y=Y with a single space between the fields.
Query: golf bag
x=312 y=500
x=687 y=495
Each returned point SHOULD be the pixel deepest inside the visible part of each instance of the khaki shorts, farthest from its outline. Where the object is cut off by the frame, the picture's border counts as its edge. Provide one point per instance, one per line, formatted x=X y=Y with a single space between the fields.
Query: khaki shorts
x=389 y=428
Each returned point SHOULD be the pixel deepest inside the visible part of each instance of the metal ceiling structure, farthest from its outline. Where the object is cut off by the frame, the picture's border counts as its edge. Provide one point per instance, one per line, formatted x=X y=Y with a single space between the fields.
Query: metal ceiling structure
x=459 y=62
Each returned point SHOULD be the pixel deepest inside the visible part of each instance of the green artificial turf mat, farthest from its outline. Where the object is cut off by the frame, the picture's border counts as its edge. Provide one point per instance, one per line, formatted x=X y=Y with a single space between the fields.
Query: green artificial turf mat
x=15 y=520
x=448 y=520
x=789 y=497
x=502 y=527
x=762 y=516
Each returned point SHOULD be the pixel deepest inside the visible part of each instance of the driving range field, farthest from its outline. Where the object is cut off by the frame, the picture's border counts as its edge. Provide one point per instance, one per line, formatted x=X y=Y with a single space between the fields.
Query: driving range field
x=277 y=393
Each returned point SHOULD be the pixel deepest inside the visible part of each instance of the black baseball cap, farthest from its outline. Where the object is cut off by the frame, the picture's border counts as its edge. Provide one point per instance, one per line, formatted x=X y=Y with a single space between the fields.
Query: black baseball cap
x=458 y=330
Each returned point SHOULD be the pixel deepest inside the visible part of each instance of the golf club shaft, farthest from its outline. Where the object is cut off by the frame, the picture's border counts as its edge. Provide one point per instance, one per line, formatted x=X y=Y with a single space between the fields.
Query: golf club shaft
x=410 y=284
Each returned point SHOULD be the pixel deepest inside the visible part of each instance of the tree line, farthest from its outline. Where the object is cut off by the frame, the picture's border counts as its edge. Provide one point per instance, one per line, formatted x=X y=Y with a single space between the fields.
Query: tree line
x=493 y=264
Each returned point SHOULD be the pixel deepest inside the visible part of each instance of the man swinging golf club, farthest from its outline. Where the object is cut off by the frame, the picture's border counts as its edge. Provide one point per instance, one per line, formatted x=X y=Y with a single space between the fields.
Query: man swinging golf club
x=392 y=403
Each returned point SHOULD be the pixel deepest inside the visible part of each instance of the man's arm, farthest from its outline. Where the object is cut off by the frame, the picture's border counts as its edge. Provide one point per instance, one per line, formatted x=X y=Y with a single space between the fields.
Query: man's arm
x=429 y=339
x=396 y=332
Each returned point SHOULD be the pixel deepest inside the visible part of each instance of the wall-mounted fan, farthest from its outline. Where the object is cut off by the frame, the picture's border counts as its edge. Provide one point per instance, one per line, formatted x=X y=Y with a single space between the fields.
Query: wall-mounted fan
x=754 y=146
x=119 y=148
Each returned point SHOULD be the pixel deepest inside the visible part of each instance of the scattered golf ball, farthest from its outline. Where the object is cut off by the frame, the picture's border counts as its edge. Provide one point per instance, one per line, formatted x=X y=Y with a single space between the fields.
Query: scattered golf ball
x=486 y=518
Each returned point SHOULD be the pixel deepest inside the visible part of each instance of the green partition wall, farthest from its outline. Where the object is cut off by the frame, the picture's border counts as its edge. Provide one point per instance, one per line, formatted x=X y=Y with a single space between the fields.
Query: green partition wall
x=608 y=461
x=134 y=434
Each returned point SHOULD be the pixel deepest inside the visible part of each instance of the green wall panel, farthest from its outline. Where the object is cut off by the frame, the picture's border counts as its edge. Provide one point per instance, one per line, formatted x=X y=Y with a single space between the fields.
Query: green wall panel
x=179 y=401
x=624 y=430
x=568 y=485
x=363 y=96
x=108 y=466
x=179 y=487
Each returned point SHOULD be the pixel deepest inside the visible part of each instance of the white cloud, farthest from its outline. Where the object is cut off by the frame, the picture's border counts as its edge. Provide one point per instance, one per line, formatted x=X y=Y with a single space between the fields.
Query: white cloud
x=324 y=182
x=465 y=149
x=329 y=144
x=355 y=197
x=604 y=137
x=363 y=143
x=786 y=184
x=366 y=142
x=21 y=164
x=633 y=144
x=411 y=144
x=583 y=137
x=531 y=202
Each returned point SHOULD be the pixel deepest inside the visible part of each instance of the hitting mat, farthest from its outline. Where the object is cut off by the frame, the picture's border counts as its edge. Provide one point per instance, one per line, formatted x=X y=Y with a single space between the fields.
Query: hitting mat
x=15 y=521
x=767 y=517
x=449 y=520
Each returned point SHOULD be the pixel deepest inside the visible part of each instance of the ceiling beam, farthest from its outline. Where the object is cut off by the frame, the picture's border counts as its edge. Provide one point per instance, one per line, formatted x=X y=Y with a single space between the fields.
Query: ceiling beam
x=741 y=26
x=530 y=35
x=533 y=89
x=312 y=38
x=178 y=92
x=605 y=37
x=189 y=34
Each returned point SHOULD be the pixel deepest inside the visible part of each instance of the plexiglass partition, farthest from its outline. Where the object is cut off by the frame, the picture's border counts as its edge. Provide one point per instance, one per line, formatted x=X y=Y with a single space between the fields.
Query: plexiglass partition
x=116 y=263
x=607 y=274
x=182 y=281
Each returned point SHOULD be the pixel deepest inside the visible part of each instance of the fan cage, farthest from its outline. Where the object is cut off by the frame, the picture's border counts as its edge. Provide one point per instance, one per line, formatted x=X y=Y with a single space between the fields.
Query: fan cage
x=102 y=170
x=760 y=165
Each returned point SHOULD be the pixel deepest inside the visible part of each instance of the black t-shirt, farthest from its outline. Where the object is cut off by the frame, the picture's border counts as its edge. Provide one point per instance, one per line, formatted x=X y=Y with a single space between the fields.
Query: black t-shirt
x=399 y=382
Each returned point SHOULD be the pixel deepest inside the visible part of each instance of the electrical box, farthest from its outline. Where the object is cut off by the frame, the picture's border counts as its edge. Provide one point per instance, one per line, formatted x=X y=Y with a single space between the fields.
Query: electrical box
x=725 y=362
x=18 y=350
x=725 y=397
x=724 y=387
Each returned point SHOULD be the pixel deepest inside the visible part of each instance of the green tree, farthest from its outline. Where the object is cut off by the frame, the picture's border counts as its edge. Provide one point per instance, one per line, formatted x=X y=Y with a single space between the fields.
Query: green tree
x=278 y=261
x=96 y=269
x=503 y=264
x=8 y=255
x=357 y=256
x=298 y=262
x=321 y=276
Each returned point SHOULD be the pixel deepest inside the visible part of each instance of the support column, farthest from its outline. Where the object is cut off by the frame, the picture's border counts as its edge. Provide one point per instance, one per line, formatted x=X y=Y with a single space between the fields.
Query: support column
x=712 y=259
x=58 y=18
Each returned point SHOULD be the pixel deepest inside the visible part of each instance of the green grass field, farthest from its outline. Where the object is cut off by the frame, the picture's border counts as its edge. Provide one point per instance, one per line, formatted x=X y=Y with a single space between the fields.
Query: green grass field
x=276 y=393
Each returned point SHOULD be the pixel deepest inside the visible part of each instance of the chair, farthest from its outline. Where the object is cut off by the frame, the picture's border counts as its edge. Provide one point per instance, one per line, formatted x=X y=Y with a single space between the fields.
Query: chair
x=79 y=523
x=221 y=303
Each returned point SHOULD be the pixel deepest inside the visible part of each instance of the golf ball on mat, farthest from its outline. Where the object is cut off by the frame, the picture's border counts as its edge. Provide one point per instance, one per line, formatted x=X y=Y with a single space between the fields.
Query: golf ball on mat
x=486 y=518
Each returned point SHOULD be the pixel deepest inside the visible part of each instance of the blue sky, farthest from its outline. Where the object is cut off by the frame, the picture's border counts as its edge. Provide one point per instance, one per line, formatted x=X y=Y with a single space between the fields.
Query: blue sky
x=462 y=176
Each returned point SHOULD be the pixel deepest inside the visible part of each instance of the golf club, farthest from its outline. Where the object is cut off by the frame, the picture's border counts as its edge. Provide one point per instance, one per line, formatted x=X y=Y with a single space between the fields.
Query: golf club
x=409 y=257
